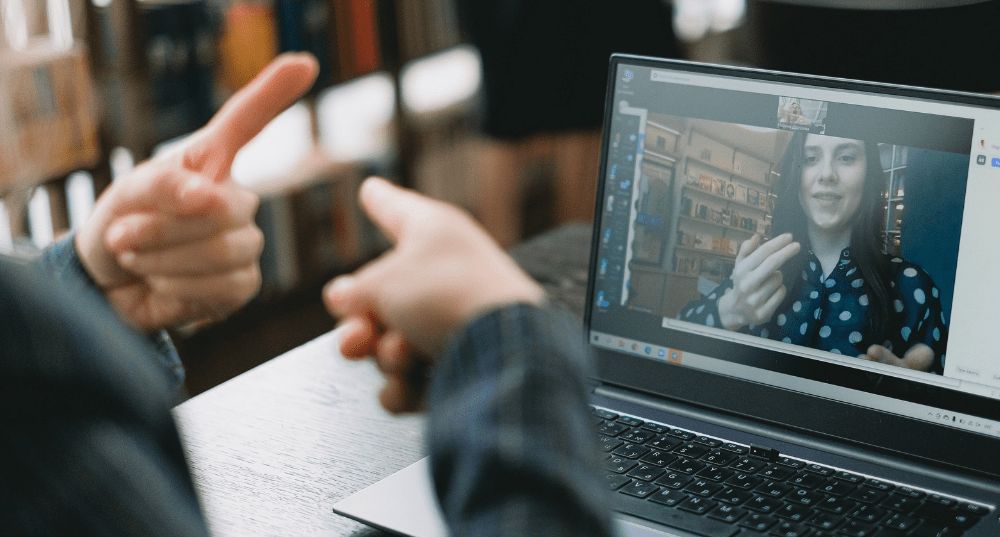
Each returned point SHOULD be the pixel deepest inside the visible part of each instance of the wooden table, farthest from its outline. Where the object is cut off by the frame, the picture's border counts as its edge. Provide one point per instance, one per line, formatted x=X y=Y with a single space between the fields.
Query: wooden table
x=273 y=449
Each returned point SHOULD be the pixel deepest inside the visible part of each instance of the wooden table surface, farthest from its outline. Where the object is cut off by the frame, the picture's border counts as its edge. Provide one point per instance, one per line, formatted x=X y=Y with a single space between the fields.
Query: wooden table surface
x=273 y=449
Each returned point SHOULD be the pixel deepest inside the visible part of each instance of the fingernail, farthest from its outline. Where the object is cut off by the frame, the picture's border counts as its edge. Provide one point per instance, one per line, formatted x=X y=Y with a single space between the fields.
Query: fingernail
x=339 y=285
x=192 y=195
x=127 y=259
x=117 y=234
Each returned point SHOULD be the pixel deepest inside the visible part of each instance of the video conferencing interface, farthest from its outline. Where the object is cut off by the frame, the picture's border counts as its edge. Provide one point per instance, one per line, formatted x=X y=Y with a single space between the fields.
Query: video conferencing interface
x=849 y=232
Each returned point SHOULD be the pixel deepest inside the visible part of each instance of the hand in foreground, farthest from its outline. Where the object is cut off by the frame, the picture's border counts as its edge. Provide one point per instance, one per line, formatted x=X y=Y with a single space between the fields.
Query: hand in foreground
x=442 y=273
x=175 y=241
x=919 y=357
x=757 y=282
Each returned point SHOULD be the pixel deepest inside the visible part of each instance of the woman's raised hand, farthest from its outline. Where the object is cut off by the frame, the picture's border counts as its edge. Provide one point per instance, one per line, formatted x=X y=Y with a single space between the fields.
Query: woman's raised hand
x=757 y=281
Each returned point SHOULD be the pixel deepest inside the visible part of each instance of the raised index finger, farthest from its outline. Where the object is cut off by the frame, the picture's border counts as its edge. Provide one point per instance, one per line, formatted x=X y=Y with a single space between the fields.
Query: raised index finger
x=247 y=112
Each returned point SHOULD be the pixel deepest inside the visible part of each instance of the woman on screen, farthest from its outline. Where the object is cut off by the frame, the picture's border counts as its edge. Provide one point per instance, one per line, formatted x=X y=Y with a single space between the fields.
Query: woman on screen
x=824 y=280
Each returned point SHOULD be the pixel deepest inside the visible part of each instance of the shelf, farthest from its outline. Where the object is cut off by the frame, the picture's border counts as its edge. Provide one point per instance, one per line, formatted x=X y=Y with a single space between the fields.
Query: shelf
x=726 y=171
x=727 y=199
x=716 y=224
x=712 y=253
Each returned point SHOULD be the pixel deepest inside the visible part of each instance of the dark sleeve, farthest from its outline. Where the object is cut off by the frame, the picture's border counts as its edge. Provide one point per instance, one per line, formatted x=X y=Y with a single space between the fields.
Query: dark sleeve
x=88 y=445
x=705 y=310
x=511 y=445
x=62 y=262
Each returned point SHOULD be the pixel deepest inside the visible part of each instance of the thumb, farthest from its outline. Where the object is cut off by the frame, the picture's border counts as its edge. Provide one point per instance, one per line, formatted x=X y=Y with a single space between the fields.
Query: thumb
x=394 y=209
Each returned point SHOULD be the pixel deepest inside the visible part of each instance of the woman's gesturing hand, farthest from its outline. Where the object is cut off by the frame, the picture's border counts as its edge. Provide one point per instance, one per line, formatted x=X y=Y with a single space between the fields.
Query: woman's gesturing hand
x=757 y=281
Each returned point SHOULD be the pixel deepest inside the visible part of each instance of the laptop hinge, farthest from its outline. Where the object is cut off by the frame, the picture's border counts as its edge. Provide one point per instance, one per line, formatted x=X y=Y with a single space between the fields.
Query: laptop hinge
x=802 y=439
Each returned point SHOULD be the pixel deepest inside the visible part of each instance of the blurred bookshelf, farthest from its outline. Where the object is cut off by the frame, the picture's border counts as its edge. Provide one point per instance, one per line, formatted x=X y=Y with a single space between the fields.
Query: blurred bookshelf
x=88 y=88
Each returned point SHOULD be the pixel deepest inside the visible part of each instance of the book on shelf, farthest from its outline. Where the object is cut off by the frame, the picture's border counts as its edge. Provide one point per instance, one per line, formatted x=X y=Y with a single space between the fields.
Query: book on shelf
x=304 y=25
x=51 y=110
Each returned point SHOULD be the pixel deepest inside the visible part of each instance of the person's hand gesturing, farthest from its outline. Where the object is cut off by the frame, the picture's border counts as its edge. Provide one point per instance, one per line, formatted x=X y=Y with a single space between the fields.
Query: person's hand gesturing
x=757 y=281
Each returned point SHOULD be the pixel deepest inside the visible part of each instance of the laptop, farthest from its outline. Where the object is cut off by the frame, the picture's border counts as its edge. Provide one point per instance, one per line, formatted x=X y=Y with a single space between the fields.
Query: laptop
x=791 y=299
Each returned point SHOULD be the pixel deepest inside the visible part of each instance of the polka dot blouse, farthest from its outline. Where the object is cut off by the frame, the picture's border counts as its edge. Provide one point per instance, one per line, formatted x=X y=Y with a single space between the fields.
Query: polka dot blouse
x=831 y=313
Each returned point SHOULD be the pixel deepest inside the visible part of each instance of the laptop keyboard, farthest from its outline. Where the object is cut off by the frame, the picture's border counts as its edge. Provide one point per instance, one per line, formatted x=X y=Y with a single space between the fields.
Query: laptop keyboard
x=715 y=488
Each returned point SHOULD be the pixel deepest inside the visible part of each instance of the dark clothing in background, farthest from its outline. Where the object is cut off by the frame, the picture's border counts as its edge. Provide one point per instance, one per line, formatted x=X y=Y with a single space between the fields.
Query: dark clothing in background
x=545 y=62
x=948 y=48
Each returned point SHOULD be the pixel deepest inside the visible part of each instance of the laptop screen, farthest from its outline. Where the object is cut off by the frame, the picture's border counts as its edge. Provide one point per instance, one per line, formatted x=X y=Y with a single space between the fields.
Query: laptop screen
x=820 y=236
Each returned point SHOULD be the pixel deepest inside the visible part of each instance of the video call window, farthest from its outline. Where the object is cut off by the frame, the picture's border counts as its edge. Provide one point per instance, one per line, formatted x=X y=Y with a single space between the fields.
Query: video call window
x=792 y=235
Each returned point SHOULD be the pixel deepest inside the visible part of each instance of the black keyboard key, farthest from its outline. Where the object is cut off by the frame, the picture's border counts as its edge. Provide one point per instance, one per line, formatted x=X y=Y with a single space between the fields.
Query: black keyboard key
x=683 y=435
x=631 y=451
x=663 y=442
x=668 y=497
x=789 y=529
x=708 y=441
x=727 y=513
x=794 y=464
x=719 y=457
x=775 y=472
x=805 y=497
x=758 y=522
x=611 y=428
x=903 y=504
x=763 y=504
x=910 y=492
x=878 y=484
x=932 y=529
x=748 y=465
x=674 y=480
x=595 y=421
x=615 y=481
x=639 y=489
x=697 y=505
x=838 y=488
x=619 y=465
x=669 y=516
x=835 y=505
x=607 y=443
x=686 y=466
x=630 y=421
x=944 y=501
x=637 y=436
x=856 y=528
x=690 y=450
x=819 y=469
x=734 y=448
x=824 y=521
x=774 y=489
x=734 y=496
x=657 y=458
x=645 y=472
x=794 y=512
x=715 y=473
x=604 y=414
x=900 y=522
x=867 y=513
x=867 y=494
x=807 y=480
x=849 y=477
x=655 y=427
x=974 y=509
x=950 y=516
x=703 y=488
x=744 y=480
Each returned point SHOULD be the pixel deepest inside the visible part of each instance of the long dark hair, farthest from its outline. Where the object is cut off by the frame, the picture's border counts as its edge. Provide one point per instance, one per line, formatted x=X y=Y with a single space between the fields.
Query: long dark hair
x=867 y=233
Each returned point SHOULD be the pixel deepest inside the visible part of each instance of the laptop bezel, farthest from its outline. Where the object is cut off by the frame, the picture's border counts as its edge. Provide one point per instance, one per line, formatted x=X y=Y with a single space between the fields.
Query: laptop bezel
x=856 y=425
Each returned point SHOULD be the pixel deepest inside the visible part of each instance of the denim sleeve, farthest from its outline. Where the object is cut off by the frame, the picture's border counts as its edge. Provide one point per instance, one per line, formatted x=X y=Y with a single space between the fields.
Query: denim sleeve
x=511 y=445
x=62 y=262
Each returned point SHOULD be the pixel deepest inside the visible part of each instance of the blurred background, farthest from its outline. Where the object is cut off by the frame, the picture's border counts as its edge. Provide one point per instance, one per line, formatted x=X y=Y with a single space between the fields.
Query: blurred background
x=495 y=105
